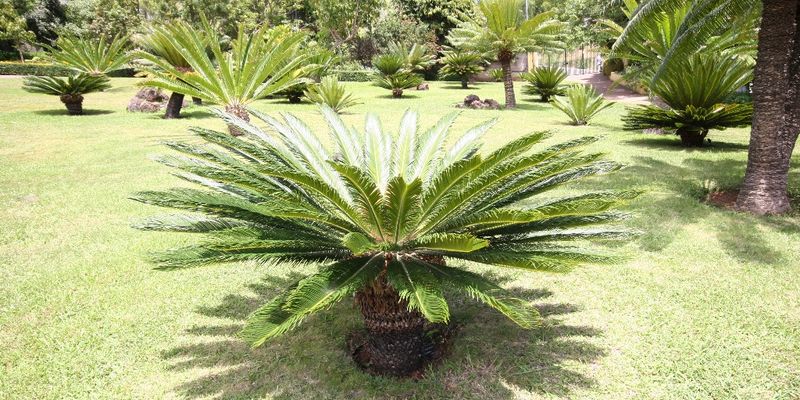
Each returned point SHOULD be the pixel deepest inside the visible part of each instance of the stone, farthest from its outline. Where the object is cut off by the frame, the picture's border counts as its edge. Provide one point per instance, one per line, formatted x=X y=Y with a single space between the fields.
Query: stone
x=474 y=102
x=423 y=86
x=148 y=100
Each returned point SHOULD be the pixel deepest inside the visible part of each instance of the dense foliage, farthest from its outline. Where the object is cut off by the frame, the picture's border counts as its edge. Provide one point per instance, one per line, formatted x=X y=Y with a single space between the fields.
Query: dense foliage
x=581 y=104
x=383 y=213
x=91 y=57
x=69 y=89
x=545 y=81
x=695 y=89
x=462 y=65
x=331 y=93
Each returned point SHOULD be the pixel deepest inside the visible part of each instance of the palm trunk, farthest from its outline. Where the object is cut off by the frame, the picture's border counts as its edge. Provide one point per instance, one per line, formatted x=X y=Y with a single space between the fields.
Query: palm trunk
x=395 y=341
x=74 y=103
x=508 y=82
x=692 y=138
x=776 y=116
x=174 y=106
x=197 y=101
x=397 y=93
x=240 y=112
x=464 y=82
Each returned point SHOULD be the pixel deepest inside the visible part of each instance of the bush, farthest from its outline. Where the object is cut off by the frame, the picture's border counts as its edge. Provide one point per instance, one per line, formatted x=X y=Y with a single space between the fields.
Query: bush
x=45 y=69
x=353 y=75
x=545 y=82
x=612 y=65
x=582 y=103
x=331 y=93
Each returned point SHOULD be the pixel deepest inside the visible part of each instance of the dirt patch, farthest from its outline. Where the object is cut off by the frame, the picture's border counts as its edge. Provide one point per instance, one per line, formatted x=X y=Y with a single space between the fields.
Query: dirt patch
x=723 y=198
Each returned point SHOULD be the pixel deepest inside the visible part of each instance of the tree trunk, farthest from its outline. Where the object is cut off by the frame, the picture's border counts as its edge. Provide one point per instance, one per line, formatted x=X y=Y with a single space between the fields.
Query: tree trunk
x=397 y=93
x=174 y=106
x=692 y=138
x=395 y=341
x=464 y=82
x=197 y=101
x=74 y=103
x=508 y=82
x=240 y=112
x=776 y=116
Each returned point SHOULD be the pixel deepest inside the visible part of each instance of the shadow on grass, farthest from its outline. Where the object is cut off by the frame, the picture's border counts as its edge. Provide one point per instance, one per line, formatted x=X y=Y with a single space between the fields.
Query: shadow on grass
x=673 y=142
x=63 y=112
x=676 y=198
x=489 y=355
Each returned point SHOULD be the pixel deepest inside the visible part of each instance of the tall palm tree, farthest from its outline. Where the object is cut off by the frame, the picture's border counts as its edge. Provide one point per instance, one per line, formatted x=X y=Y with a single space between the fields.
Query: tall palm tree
x=384 y=215
x=776 y=86
x=500 y=28
x=259 y=63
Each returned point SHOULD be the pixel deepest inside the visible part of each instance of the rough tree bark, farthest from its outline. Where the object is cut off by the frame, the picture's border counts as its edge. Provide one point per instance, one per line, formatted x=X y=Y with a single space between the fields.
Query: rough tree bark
x=465 y=82
x=240 y=112
x=174 y=106
x=73 y=102
x=505 y=57
x=776 y=117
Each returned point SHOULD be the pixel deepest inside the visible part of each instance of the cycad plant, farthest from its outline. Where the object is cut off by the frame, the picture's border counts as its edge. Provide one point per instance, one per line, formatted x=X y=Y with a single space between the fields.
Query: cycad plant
x=258 y=64
x=695 y=90
x=383 y=215
x=331 y=93
x=70 y=90
x=582 y=104
x=500 y=27
x=545 y=81
x=158 y=42
x=394 y=73
x=417 y=57
x=461 y=64
x=87 y=56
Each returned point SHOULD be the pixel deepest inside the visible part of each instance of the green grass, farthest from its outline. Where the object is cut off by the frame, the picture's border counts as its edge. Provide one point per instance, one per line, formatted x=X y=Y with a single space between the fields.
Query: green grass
x=707 y=306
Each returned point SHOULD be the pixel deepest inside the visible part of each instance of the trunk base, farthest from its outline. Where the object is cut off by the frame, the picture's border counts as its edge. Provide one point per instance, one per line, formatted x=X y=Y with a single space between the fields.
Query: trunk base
x=396 y=341
x=74 y=103
x=692 y=138
x=240 y=112
x=174 y=106
x=397 y=93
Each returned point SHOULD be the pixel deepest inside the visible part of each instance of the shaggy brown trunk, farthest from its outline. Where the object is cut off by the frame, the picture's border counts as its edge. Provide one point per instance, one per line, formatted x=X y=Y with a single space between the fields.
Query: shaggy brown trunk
x=464 y=82
x=240 y=112
x=692 y=138
x=395 y=336
x=197 y=101
x=776 y=116
x=74 y=103
x=174 y=106
x=397 y=93
x=505 y=58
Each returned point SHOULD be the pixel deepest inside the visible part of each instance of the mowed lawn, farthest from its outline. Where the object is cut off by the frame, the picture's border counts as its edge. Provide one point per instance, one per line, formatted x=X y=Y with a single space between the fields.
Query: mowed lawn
x=705 y=306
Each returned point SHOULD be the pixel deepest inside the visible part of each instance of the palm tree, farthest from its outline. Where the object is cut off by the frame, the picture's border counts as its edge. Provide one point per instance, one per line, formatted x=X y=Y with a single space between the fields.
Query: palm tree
x=157 y=41
x=500 y=27
x=776 y=86
x=395 y=73
x=90 y=57
x=259 y=64
x=384 y=215
x=461 y=64
x=70 y=90
x=695 y=89
x=331 y=93
x=545 y=81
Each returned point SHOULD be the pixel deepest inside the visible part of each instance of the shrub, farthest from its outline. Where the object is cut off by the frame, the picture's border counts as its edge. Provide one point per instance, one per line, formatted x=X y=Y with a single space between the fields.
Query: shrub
x=331 y=93
x=384 y=216
x=582 y=103
x=394 y=73
x=30 y=68
x=545 y=81
x=353 y=75
x=95 y=58
x=496 y=74
x=695 y=90
x=461 y=64
x=612 y=65
x=70 y=89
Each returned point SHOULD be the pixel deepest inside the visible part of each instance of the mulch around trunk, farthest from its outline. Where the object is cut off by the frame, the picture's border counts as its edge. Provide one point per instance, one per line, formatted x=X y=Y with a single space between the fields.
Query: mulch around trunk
x=437 y=347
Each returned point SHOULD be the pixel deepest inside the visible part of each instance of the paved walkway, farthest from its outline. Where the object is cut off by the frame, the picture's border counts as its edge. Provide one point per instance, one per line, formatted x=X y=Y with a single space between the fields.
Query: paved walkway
x=603 y=85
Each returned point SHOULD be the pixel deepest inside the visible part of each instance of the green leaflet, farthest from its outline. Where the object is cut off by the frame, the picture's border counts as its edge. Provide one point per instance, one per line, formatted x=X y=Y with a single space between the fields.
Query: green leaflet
x=416 y=284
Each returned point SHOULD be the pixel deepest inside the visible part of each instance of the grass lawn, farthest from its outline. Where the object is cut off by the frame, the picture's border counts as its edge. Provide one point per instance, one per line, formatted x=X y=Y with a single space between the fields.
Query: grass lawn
x=707 y=305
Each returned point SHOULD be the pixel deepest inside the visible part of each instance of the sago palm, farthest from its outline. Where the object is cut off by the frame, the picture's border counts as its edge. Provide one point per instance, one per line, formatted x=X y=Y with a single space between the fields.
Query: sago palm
x=383 y=215
x=417 y=57
x=70 y=90
x=545 y=81
x=461 y=64
x=394 y=73
x=695 y=90
x=500 y=28
x=332 y=93
x=158 y=42
x=258 y=64
x=93 y=57
x=581 y=104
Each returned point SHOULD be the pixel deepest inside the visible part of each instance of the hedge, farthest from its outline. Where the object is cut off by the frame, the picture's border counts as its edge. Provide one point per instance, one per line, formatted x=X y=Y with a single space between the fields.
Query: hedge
x=353 y=75
x=37 y=68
